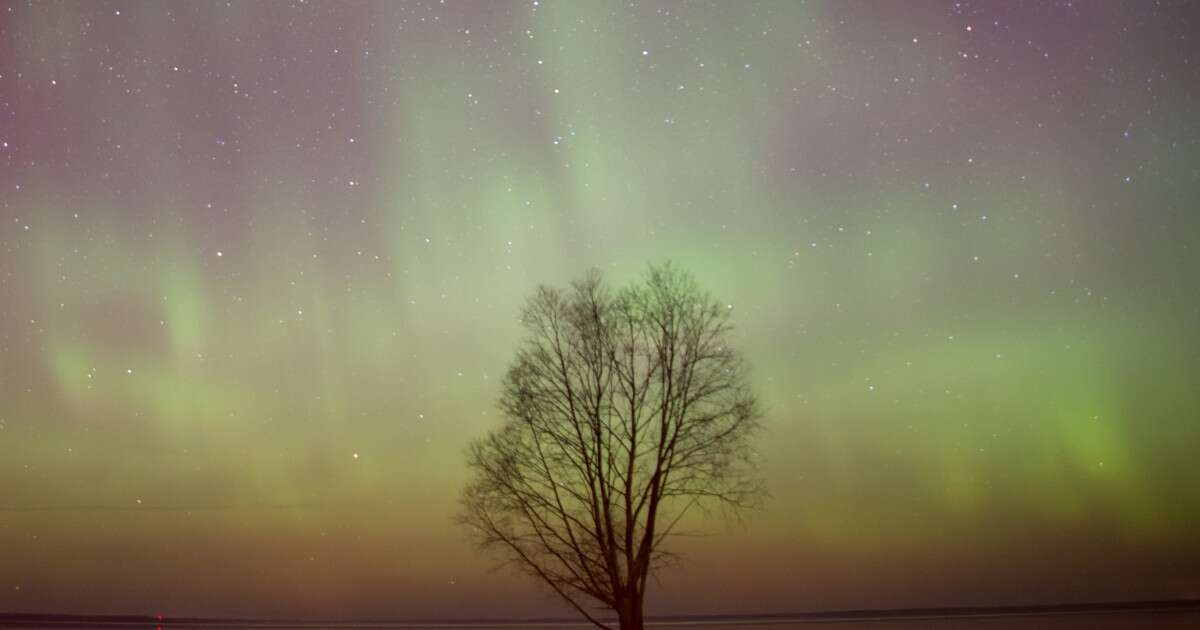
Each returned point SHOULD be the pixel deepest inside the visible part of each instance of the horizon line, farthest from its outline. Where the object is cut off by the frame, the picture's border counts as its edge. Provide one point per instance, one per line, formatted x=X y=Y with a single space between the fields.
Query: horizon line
x=864 y=614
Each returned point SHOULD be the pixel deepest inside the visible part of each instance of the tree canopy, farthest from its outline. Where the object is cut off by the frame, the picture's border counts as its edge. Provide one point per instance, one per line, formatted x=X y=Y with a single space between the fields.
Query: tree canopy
x=623 y=411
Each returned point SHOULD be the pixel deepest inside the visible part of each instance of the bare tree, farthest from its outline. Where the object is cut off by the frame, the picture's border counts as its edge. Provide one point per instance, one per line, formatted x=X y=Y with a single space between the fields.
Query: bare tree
x=623 y=411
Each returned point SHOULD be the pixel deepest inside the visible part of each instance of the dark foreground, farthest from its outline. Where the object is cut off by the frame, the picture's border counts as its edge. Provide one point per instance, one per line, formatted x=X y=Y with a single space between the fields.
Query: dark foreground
x=1163 y=614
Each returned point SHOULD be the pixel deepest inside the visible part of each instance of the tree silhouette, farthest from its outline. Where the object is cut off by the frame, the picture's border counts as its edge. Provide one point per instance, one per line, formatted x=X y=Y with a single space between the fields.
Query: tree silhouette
x=623 y=411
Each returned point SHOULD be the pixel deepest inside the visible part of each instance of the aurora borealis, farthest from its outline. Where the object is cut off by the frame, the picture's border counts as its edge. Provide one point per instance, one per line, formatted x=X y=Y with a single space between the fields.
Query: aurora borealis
x=261 y=264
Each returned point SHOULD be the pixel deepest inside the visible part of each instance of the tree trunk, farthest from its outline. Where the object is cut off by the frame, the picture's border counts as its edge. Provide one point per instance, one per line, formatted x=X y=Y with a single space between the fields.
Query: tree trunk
x=629 y=613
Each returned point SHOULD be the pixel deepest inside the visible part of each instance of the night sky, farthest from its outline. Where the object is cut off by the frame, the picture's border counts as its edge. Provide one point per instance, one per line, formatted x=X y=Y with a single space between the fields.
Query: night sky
x=261 y=265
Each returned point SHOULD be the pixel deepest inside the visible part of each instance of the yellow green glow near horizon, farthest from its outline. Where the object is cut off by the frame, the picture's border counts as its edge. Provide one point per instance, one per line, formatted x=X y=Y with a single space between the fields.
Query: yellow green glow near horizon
x=261 y=264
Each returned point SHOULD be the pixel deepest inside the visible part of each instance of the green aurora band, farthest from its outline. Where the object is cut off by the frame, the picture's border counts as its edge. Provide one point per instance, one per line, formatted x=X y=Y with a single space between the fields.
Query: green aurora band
x=260 y=268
